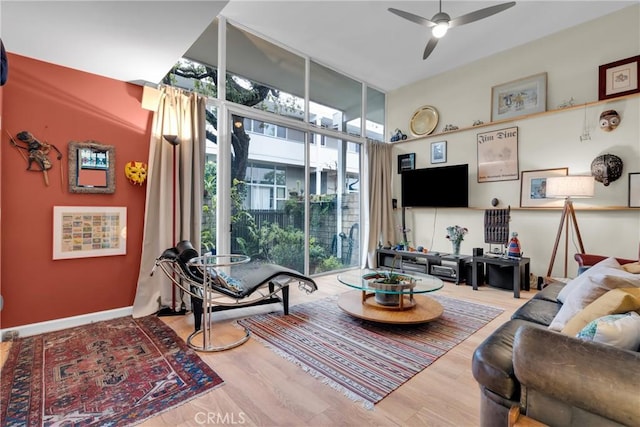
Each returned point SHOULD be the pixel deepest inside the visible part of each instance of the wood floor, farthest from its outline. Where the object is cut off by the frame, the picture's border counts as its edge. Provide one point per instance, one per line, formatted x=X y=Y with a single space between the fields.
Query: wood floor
x=263 y=389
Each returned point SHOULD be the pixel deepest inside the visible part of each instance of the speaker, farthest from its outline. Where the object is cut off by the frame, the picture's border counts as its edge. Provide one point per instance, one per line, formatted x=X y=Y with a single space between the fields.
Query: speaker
x=478 y=251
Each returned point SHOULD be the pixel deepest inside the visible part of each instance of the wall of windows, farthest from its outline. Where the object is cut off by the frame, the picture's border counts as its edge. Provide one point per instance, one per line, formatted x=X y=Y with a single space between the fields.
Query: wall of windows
x=287 y=163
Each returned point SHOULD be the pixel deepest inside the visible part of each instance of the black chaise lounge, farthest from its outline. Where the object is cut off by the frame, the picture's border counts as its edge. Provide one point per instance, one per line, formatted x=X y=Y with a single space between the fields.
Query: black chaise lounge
x=232 y=281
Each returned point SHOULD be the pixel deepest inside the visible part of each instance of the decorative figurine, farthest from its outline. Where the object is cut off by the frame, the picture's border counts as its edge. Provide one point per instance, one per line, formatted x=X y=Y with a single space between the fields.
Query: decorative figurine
x=514 y=250
x=478 y=122
x=609 y=120
x=448 y=128
x=398 y=135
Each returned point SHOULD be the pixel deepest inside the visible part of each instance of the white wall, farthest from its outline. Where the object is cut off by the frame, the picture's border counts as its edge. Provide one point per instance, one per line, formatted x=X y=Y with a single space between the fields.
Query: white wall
x=570 y=59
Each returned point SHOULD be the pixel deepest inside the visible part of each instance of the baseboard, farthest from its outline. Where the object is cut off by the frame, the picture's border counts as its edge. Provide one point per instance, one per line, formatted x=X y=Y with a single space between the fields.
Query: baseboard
x=67 y=322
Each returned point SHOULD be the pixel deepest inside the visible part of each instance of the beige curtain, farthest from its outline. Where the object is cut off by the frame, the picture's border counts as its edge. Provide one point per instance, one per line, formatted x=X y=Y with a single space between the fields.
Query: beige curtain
x=381 y=224
x=181 y=114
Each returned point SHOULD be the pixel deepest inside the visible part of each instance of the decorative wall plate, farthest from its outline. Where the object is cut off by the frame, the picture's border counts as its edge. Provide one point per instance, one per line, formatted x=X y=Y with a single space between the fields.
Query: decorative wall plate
x=423 y=121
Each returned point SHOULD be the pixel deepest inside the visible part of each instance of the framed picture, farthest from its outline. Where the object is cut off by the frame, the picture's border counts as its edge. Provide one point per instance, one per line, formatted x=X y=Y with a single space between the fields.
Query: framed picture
x=406 y=162
x=634 y=190
x=519 y=97
x=439 y=152
x=533 y=193
x=619 y=78
x=498 y=155
x=89 y=231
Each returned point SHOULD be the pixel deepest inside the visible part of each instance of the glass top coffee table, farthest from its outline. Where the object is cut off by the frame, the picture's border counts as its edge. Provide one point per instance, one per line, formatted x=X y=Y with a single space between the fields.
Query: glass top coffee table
x=377 y=300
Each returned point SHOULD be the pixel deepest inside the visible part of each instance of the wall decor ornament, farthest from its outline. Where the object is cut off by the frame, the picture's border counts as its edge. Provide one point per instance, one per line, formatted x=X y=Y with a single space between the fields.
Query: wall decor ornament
x=423 y=121
x=37 y=153
x=634 y=190
x=498 y=155
x=606 y=168
x=619 y=78
x=533 y=191
x=91 y=167
x=406 y=162
x=439 y=152
x=609 y=120
x=519 y=97
x=136 y=172
x=89 y=231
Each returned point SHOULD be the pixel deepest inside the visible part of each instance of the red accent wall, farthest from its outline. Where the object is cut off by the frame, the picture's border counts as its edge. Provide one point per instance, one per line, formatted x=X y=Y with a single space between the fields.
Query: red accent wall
x=58 y=105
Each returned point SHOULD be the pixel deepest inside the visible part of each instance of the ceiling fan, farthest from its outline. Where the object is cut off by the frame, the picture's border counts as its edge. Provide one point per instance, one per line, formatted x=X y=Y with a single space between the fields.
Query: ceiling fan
x=441 y=21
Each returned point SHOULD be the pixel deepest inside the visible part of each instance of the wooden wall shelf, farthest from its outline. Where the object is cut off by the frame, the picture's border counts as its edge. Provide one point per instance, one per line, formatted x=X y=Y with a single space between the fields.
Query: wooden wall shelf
x=523 y=117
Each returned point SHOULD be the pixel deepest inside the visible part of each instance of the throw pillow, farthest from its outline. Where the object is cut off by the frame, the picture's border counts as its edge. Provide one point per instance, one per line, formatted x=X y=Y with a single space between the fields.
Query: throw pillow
x=583 y=278
x=615 y=301
x=632 y=267
x=597 y=286
x=618 y=330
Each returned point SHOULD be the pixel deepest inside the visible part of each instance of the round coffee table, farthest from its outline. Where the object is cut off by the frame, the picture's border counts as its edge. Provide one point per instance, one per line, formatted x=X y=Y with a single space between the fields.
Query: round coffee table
x=402 y=303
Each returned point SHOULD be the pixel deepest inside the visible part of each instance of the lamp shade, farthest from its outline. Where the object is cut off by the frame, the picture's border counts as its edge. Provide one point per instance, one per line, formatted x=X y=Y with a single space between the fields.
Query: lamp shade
x=574 y=186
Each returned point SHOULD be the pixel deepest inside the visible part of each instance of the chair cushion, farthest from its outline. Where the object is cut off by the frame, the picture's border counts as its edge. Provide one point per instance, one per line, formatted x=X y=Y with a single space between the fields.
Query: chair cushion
x=550 y=292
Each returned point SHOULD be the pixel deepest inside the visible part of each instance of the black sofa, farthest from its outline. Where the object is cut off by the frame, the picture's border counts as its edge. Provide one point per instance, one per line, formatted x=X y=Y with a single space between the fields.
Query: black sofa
x=553 y=378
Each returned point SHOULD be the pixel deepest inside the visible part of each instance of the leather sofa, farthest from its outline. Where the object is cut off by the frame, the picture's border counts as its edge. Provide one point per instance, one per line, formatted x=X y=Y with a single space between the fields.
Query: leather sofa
x=553 y=378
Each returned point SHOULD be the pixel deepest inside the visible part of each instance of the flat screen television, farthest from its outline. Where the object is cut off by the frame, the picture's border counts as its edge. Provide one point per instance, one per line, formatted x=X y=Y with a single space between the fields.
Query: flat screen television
x=441 y=187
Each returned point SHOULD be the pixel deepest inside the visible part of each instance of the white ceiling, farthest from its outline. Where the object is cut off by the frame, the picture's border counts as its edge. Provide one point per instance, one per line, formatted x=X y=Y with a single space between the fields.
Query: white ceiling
x=139 y=41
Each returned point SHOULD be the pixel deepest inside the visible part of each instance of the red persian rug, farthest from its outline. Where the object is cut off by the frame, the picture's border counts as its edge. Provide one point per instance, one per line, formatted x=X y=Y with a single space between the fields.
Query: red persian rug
x=115 y=372
x=365 y=360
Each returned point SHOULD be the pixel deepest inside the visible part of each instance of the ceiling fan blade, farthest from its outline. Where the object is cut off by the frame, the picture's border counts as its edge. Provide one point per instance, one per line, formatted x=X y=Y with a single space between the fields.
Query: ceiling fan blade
x=480 y=14
x=433 y=41
x=411 y=17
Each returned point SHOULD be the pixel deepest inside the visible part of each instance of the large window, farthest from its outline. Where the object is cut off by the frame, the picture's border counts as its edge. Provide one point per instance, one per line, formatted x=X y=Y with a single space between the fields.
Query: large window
x=286 y=165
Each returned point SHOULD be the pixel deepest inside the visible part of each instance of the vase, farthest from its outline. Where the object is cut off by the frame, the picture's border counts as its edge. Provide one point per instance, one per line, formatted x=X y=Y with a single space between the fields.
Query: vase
x=456 y=248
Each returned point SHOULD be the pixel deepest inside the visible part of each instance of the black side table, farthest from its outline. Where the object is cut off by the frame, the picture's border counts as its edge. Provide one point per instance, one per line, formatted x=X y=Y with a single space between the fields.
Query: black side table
x=520 y=268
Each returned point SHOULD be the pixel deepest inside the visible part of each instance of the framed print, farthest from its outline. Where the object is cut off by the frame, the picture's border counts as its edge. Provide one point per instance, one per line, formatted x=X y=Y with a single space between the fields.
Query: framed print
x=533 y=191
x=618 y=78
x=406 y=162
x=498 y=155
x=634 y=190
x=439 y=152
x=89 y=231
x=519 y=97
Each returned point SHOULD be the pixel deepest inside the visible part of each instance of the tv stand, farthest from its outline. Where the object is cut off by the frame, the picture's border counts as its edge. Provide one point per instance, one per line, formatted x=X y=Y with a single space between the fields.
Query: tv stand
x=449 y=267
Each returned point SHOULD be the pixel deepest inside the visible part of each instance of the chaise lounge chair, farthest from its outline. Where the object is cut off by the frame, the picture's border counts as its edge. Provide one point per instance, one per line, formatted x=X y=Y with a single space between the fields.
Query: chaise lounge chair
x=232 y=281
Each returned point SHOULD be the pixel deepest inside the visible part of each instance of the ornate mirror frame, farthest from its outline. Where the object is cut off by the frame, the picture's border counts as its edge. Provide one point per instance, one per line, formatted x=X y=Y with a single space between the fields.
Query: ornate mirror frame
x=95 y=171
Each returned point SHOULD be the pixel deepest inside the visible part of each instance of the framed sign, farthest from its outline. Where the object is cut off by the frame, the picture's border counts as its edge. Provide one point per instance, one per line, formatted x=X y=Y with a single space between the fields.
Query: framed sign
x=89 y=231
x=519 y=97
x=634 y=190
x=619 y=78
x=533 y=191
x=498 y=155
x=406 y=162
x=439 y=152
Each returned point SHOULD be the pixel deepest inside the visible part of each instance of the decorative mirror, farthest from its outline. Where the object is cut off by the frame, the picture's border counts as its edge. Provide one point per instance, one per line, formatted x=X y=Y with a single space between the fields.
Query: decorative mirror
x=91 y=167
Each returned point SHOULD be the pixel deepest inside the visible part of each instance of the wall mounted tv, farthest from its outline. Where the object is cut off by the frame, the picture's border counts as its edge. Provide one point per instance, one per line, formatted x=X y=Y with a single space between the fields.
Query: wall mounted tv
x=442 y=187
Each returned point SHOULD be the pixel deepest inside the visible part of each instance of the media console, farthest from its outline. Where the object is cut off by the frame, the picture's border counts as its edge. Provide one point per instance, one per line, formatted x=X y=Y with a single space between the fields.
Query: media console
x=449 y=267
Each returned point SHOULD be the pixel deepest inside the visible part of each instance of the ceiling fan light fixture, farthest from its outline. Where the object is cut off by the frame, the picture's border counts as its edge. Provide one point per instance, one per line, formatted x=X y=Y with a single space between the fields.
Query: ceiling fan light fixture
x=440 y=29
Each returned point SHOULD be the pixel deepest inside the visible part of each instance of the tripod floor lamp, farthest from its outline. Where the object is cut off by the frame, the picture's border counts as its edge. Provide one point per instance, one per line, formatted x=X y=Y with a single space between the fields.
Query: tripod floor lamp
x=568 y=187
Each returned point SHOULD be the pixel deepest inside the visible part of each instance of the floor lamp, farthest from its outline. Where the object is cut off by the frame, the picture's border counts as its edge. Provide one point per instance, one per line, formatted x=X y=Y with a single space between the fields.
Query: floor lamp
x=568 y=187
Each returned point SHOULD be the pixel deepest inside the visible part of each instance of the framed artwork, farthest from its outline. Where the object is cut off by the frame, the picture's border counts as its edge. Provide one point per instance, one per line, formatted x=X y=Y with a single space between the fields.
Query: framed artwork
x=533 y=191
x=89 y=231
x=439 y=152
x=406 y=162
x=519 y=97
x=618 y=78
x=498 y=155
x=634 y=190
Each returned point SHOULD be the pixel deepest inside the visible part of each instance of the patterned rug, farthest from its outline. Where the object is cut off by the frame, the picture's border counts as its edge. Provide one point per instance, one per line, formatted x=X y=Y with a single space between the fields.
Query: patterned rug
x=365 y=360
x=115 y=372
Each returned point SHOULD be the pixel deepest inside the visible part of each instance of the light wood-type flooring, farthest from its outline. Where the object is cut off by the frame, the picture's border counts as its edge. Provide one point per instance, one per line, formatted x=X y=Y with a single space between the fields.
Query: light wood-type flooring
x=263 y=389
